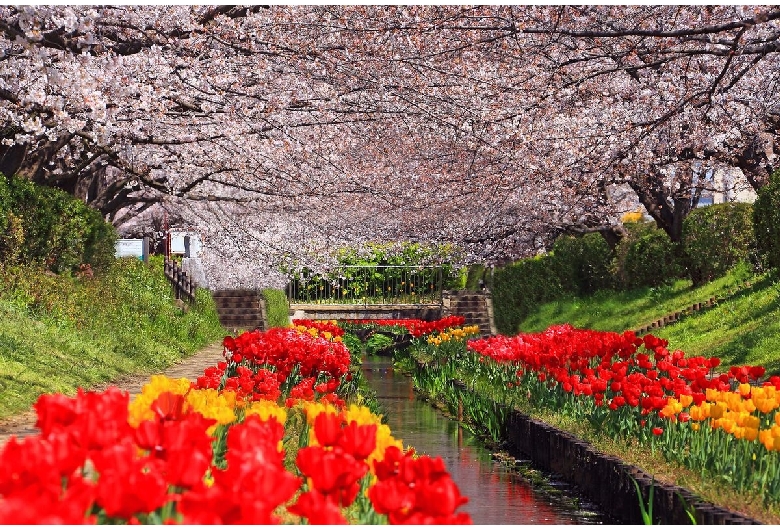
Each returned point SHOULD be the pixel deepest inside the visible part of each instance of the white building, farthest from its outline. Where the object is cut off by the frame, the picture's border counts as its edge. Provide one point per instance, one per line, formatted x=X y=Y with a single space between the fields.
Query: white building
x=730 y=185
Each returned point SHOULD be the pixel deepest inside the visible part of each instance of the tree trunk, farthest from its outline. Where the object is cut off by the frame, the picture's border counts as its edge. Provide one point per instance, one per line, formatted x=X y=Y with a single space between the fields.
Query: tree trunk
x=668 y=205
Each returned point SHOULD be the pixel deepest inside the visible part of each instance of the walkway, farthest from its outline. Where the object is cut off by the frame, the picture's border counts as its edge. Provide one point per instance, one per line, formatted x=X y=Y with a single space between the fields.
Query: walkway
x=190 y=367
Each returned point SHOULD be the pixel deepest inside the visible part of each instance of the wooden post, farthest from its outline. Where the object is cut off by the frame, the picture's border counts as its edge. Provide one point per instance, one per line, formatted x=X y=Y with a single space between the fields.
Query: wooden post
x=145 y=249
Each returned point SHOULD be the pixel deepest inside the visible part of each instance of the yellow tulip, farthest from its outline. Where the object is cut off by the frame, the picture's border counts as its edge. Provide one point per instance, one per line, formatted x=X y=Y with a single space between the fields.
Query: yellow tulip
x=267 y=409
x=140 y=408
x=362 y=415
x=748 y=405
x=764 y=404
x=751 y=434
x=765 y=437
x=700 y=412
x=313 y=409
x=219 y=406
x=728 y=425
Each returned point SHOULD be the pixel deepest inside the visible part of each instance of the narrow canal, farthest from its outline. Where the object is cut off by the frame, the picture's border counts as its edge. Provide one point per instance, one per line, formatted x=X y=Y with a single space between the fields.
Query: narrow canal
x=497 y=494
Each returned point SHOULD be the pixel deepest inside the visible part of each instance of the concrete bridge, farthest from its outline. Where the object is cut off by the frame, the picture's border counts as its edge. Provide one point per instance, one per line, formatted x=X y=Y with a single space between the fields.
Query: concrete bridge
x=245 y=310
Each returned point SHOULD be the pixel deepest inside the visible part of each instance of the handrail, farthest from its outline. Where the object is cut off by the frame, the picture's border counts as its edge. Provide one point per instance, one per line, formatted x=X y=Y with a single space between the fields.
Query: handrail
x=182 y=284
x=370 y=284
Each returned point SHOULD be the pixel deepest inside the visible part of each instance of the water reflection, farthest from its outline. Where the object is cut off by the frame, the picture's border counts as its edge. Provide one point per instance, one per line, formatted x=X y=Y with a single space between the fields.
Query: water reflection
x=497 y=495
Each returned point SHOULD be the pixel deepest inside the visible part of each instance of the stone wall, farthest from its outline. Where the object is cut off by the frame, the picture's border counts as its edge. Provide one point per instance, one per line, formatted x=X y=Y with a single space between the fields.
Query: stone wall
x=240 y=309
x=606 y=480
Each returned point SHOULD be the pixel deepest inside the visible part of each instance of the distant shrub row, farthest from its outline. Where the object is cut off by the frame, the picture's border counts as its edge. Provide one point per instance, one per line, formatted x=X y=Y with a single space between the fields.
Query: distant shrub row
x=766 y=221
x=714 y=239
x=48 y=227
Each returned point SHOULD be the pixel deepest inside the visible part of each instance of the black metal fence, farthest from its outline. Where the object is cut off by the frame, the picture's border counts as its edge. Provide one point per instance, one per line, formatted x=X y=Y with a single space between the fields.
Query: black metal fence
x=372 y=284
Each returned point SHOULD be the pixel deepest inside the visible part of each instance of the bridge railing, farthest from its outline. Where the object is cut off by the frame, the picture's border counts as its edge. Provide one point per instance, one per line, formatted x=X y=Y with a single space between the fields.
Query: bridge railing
x=371 y=284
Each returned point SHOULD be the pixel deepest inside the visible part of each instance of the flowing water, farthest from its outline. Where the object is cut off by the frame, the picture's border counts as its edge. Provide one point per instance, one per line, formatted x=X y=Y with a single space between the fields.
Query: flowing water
x=497 y=493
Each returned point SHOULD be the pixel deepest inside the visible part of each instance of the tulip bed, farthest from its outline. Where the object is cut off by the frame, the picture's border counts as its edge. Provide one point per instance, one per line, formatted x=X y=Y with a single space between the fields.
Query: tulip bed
x=724 y=424
x=415 y=327
x=266 y=436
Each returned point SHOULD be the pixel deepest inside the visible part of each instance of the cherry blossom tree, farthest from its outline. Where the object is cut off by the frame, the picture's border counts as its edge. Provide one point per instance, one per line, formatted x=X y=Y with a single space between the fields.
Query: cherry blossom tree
x=280 y=133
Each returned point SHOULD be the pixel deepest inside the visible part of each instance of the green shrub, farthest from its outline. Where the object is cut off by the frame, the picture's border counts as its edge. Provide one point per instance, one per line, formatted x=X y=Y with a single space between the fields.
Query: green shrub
x=47 y=226
x=355 y=347
x=520 y=288
x=377 y=342
x=277 y=309
x=716 y=238
x=646 y=258
x=766 y=221
x=456 y=280
x=368 y=271
x=582 y=263
x=475 y=274
x=11 y=225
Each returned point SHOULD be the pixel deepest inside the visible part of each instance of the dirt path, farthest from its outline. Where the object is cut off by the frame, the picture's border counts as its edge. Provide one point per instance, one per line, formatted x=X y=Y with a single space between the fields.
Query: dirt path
x=192 y=367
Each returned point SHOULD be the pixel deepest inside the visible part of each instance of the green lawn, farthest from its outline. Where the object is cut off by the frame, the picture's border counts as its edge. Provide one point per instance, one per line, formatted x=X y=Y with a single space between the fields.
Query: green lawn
x=59 y=333
x=742 y=329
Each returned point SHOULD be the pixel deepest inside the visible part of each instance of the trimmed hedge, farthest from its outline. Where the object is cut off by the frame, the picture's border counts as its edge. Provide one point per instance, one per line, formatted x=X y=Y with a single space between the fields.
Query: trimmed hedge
x=646 y=258
x=521 y=287
x=716 y=238
x=48 y=227
x=576 y=266
x=766 y=221
x=652 y=261
x=583 y=263
x=277 y=309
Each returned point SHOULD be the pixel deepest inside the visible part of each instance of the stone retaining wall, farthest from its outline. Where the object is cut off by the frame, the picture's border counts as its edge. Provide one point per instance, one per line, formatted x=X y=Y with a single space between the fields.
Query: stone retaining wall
x=606 y=480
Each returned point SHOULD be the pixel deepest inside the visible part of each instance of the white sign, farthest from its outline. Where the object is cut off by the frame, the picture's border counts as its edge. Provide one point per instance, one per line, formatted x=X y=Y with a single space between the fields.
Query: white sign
x=185 y=244
x=129 y=247
x=177 y=243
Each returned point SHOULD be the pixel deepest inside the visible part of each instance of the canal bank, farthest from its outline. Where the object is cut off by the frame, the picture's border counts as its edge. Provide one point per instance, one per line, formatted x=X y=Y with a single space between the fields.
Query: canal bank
x=612 y=485
x=606 y=480
x=498 y=491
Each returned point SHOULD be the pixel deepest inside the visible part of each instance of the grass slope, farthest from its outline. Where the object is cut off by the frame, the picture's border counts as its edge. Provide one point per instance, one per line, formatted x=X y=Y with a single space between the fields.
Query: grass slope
x=743 y=329
x=59 y=333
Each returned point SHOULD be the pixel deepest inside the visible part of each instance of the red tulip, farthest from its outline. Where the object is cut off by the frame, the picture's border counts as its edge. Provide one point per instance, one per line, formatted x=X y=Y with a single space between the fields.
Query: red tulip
x=327 y=428
x=358 y=440
x=330 y=471
x=318 y=509
x=128 y=485
x=54 y=410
